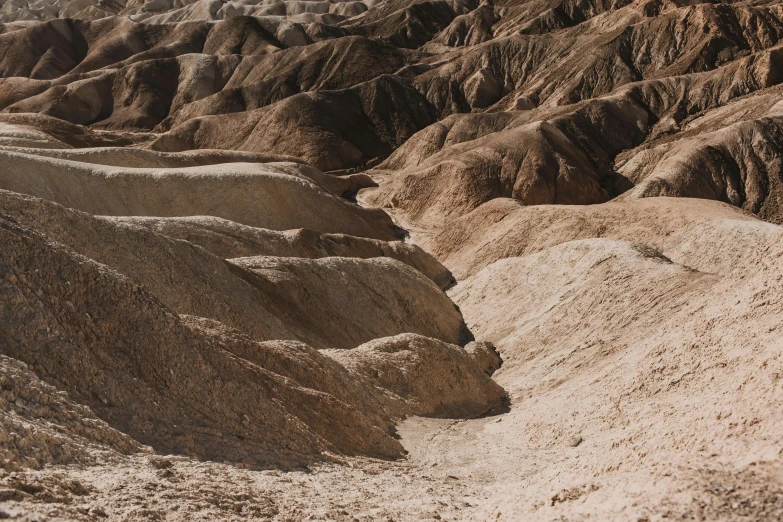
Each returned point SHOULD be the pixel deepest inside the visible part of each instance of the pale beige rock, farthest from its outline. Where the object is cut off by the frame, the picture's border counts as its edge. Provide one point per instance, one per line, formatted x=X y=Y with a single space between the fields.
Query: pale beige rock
x=238 y=295
x=505 y=228
x=167 y=379
x=423 y=376
x=278 y=195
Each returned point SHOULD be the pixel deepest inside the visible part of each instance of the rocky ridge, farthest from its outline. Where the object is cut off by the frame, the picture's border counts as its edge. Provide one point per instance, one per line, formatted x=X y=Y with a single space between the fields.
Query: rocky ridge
x=492 y=260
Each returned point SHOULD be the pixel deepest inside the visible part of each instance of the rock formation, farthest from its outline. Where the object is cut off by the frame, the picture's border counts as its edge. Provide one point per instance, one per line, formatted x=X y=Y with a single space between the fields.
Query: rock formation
x=391 y=260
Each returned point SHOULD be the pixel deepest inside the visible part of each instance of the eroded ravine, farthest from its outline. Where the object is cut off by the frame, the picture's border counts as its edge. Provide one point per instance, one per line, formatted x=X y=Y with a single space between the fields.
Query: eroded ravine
x=198 y=322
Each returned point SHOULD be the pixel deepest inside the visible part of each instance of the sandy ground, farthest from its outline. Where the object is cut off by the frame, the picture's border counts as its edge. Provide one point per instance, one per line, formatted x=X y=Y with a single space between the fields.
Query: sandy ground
x=549 y=160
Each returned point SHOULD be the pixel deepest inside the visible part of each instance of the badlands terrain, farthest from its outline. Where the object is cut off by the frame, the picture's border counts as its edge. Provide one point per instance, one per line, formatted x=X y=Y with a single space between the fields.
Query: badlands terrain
x=391 y=260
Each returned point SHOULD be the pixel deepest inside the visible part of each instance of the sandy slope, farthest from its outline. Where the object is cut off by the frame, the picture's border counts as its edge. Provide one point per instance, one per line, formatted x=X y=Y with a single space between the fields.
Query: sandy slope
x=396 y=260
x=634 y=387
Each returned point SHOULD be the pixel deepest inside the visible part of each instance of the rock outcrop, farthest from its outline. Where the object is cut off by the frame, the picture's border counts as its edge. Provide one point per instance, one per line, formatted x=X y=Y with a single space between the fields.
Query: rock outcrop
x=391 y=259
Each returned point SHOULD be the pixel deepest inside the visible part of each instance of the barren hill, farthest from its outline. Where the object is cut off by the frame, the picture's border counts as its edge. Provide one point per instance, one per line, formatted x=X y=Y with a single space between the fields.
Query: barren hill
x=391 y=260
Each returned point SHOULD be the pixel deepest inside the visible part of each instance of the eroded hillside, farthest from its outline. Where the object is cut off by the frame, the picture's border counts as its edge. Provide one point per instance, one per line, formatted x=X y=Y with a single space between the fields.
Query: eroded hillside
x=391 y=260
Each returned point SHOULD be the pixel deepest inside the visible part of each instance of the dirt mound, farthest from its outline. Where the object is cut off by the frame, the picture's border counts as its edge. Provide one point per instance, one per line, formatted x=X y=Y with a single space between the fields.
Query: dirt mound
x=51 y=133
x=600 y=84
x=738 y=164
x=169 y=91
x=569 y=154
x=148 y=159
x=263 y=81
x=145 y=388
x=42 y=425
